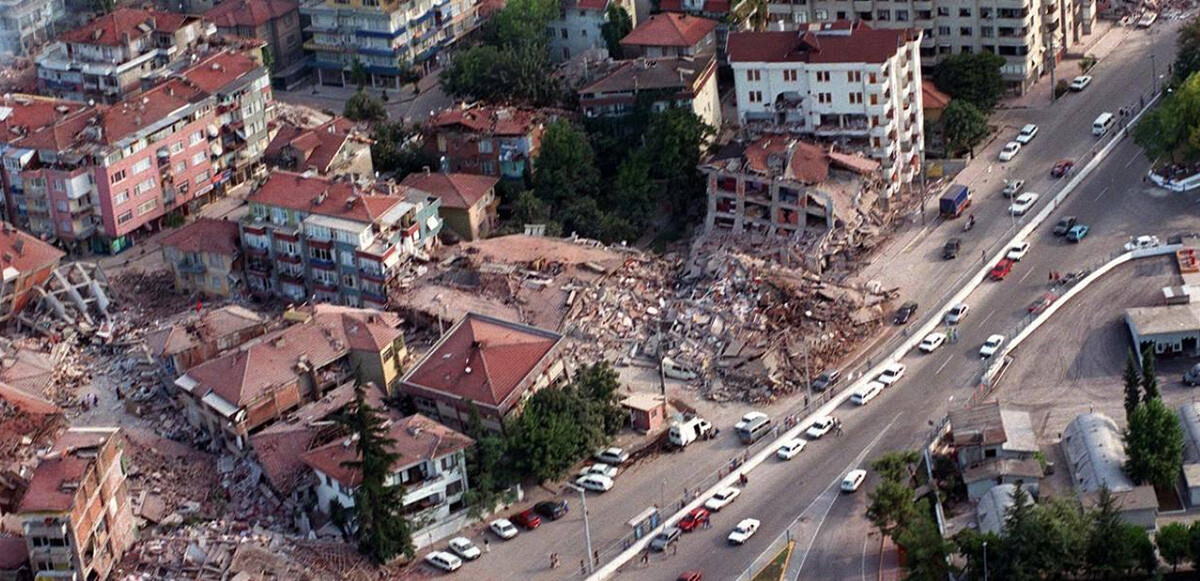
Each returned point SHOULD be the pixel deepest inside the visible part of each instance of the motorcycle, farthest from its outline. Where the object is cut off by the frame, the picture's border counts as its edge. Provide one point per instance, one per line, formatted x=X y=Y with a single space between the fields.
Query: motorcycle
x=970 y=224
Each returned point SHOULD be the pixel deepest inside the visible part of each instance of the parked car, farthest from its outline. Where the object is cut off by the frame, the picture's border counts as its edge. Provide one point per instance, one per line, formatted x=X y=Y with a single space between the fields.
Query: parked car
x=905 y=312
x=1064 y=225
x=866 y=393
x=1027 y=134
x=1147 y=19
x=1077 y=232
x=790 y=448
x=595 y=483
x=1013 y=187
x=826 y=380
x=697 y=517
x=1044 y=301
x=1001 y=270
x=1023 y=203
x=443 y=560
x=932 y=341
x=991 y=345
x=552 y=509
x=891 y=373
x=612 y=456
x=599 y=468
x=691 y=575
x=503 y=528
x=722 y=498
x=527 y=519
x=1192 y=377
x=1142 y=242
x=1010 y=150
x=950 y=250
x=1017 y=250
x=664 y=539
x=1080 y=83
x=743 y=531
x=853 y=480
x=957 y=313
x=464 y=548
x=1062 y=168
x=820 y=427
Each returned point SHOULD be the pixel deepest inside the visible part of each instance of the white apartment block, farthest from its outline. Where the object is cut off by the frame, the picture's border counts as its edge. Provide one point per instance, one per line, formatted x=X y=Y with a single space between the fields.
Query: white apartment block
x=576 y=31
x=840 y=82
x=1024 y=32
x=27 y=24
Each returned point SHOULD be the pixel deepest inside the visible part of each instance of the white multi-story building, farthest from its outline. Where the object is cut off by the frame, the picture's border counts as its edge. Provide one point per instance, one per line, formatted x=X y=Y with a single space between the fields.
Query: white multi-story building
x=1025 y=32
x=577 y=30
x=840 y=81
x=27 y=24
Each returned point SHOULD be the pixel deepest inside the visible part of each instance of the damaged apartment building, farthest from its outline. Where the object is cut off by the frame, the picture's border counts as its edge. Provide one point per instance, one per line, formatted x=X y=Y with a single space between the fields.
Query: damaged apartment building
x=782 y=188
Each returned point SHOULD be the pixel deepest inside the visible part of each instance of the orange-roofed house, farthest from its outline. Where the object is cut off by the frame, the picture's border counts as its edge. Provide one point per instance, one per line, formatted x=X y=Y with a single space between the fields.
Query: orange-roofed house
x=326 y=240
x=76 y=511
x=469 y=201
x=933 y=101
x=661 y=83
x=492 y=363
x=275 y=22
x=106 y=58
x=431 y=467
x=671 y=34
x=246 y=390
x=333 y=148
x=486 y=140
x=25 y=263
x=577 y=30
x=183 y=345
x=204 y=257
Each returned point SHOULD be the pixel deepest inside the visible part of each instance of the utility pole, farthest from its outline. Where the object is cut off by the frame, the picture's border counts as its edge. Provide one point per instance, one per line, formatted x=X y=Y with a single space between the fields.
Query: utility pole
x=807 y=374
x=1053 y=83
x=587 y=531
x=985 y=561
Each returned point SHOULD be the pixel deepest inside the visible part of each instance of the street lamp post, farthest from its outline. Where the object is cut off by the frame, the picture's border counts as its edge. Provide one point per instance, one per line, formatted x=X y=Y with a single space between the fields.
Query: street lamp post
x=1053 y=92
x=587 y=531
x=985 y=561
x=807 y=374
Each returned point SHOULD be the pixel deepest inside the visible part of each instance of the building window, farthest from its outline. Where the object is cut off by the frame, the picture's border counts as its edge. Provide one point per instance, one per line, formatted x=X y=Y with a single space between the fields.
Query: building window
x=349 y=281
x=123 y=218
x=854 y=76
x=791 y=75
x=753 y=75
x=144 y=187
x=116 y=177
x=176 y=147
x=140 y=166
x=856 y=98
x=202 y=177
x=964 y=12
x=943 y=11
x=883 y=15
x=121 y=197
x=347 y=258
x=986 y=31
x=901 y=16
x=487 y=168
x=320 y=253
x=756 y=96
x=873 y=79
x=822 y=76
x=180 y=167
x=195 y=138
x=485 y=146
x=824 y=98
x=564 y=34
x=371 y=3
x=147 y=207
x=964 y=31
x=943 y=31
x=198 y=158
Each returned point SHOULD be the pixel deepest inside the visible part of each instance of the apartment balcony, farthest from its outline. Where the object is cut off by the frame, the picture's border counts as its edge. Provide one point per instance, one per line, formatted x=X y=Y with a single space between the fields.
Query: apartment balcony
x=863 y=5
x=846 y=125
x=191 y=266
x=923 y=5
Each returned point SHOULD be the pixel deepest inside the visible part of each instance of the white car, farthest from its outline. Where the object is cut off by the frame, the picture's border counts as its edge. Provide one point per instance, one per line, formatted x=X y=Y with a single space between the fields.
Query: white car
x=1017 y=251
x=722 y=498
x=991 y=345
x=743 y=531
x=464 y=548
x=853 y=480
x=891 y=374
x=1023 y=203
x=1080 y=83
x=957 y=313
x=1147 y=19
x=1141 y=242
x=443 y=560
x=594 y=483
x=1010 y=150
x=820 y=427
x=790 y=448
x=599 y=468
x=866 y=393
x=748 y=419
x=1012 y=187
x=931 y=342
x=503 y=528
x=1027 y=134
x=612 y=456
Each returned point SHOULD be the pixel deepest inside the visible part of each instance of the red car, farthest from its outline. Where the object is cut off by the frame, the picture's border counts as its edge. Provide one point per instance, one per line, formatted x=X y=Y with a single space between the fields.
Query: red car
x=1041 y=304
x=1001 y=269
x=691 y=575
x=697 y=517
x=527 y=519
x=1062 y=168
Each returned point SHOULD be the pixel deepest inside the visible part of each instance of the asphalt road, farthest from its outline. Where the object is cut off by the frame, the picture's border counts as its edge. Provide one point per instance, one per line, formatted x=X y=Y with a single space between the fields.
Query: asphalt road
x=1114 y=201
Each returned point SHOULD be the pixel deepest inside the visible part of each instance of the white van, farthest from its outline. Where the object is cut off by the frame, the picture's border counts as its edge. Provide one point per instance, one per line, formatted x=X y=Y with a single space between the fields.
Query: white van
x=1102 y=124
x=866 y=393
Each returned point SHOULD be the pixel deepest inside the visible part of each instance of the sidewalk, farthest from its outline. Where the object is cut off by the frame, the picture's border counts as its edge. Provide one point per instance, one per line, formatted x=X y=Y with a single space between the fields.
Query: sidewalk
x=402 y=104
x=1105 y=37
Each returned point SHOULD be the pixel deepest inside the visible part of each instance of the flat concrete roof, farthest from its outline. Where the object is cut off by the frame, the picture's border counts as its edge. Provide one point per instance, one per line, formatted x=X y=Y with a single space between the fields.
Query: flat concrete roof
x=1167 y=319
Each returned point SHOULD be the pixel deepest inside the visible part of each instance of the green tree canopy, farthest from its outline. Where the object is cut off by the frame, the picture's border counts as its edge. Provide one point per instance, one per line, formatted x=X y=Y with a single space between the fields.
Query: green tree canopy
x=358 y=74
x=676 y=140
x=972 y=77
x=616 y=26
x=926 y=549
x=1115 y=549
x=1187 y=55
x=523 y=22
x=891 y=506
x=565 y=169
x=1154 y=444
x=1172 y=129
x=1149 y=375
x=1133 y=387
x=1172 y=541
x=896 y=465
x=363 y=107
x=505 y=73
x=963 y=125
x=395 y=149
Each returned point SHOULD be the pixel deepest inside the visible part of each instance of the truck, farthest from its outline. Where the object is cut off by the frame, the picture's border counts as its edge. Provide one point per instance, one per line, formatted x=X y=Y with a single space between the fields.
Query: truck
x=954 y=201
x=689 y=430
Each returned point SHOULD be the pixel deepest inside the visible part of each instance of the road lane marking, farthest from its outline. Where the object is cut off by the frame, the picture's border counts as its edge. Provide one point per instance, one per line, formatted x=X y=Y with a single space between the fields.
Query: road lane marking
x=916 y=238
x=833 y=487
x=943 y=365
x=1101 y=193
x=1027 y=273
x=986 y=318
x=1132 y=159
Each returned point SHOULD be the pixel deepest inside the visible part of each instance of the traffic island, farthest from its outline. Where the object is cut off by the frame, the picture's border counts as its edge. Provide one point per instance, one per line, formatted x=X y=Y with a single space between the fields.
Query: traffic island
x=775 y=569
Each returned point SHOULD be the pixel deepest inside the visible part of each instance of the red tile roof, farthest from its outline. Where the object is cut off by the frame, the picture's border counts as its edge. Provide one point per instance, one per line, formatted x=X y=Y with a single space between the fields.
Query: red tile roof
x=807 y=164
x=205 y=235
x=112 y=28
x=13 y=553
x=323 y=196
x=56 y=478
x=318 y=147
x=25 y=252
x=484 y=119
x=710 y=7
x=455 y=190
x=141 y=110
x=219 y=70
x=417 y=438
x=931 y=97
x=484 y=360
x=249 y=13
x=670 y=29
x=28 y=114
x=209 y=327
x=862 y=44
x=27 y=402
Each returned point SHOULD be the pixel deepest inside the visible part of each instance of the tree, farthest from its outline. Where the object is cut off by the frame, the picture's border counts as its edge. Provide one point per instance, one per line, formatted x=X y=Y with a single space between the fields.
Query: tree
x=1133 y=388
x=1172 y=129
x=896 y=465
x=969 y=543
x=487 y=465
x=520 y=73
x=394 y=149
x=523 y=22
x=381 y=530
x=104 y=6
x=565 y=169
x=1115 y=549
x=363 y=107
x=964 y=126
x=926 y=549
x=891 y=506
x=600 y=385
x=358 y=74
x=1187 y=55
x=972 y=77
x=1149 y=375
x=1194 y=543
x=616 y=26
x=1172 y=540
x=268 y=58
x=1154 y=444
x=676 y=140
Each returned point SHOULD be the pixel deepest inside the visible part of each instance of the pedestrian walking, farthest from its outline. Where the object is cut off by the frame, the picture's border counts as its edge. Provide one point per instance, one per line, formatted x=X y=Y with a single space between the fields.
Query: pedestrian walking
x=675 y=548
x=582 y=567
x=487 y=546
x=596 y=557
x=646 y=559
x=983 y=256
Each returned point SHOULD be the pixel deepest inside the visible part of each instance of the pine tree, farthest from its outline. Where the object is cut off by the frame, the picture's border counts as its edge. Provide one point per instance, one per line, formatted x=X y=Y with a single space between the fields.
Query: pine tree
x=1149 y=379
x=1133 y=388
x=381 y=530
